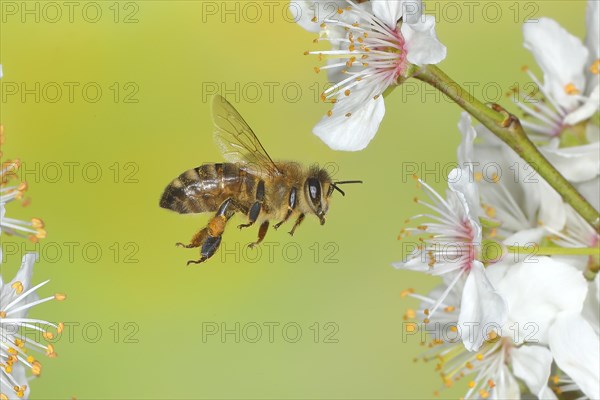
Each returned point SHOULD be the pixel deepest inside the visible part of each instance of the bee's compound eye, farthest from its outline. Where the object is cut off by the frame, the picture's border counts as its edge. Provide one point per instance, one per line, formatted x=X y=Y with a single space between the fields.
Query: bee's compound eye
x=314 y=190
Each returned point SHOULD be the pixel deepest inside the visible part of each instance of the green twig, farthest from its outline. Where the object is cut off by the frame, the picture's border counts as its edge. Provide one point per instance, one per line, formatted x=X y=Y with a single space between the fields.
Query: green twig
x=508 y=128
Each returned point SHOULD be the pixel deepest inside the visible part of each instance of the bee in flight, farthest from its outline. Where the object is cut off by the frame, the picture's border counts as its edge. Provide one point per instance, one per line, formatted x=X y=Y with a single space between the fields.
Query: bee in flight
x=249 y=183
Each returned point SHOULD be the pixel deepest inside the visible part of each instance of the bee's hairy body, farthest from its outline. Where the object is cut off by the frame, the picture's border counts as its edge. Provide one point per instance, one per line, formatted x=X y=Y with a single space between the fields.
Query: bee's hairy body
x=250 y=184
x=205 y=188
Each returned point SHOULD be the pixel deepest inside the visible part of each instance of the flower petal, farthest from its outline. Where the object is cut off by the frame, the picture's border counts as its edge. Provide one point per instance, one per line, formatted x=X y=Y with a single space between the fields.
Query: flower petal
x=482 y=308
x=507 y=386
x=592 y=19
x=391 y=11
x=351 y=133
x=462 y=183
x=533 y=365
x=561 y=56
x=311 y=14
x=468 y=133
x=536 y=290
x=574 y=345
x=422 y=44
x=586 y=110
x=576 y=163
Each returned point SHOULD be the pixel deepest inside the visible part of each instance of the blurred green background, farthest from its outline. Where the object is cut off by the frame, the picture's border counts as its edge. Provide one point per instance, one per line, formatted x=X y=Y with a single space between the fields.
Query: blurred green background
x=139 y=317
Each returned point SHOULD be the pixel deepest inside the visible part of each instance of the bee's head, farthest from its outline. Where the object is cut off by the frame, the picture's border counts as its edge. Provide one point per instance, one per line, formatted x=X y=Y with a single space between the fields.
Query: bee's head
x=318 y=188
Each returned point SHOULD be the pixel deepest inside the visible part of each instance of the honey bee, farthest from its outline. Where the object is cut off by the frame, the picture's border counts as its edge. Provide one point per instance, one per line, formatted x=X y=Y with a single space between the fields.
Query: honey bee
x=249 y=183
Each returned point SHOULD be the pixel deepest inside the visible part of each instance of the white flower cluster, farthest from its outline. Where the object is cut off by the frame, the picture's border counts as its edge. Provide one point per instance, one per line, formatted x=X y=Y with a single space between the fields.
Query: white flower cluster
x=518 y=309
x=18 y=350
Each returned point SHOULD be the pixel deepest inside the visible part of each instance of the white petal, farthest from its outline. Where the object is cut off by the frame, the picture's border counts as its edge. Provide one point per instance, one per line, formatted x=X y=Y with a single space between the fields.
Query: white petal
x=525 y=237
x=482 y=308
x=391 y=11
x=577 y=163
x=592 y=19
x=355 y=132
x=507 y=386
x=462 y=183
x=574 y=345
x=533 y=365
x=560 y=55
x=536 y=289
x=590 y=190
x=304 y=11
x=468 y=133
x=25 y=271
x=591 y=307
x=552 y=212
x=422 y=44
x=586 y=110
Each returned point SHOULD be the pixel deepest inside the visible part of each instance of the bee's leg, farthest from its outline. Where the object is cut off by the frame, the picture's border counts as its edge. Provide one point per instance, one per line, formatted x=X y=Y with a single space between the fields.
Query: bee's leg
x=262 y=232
x=210 y=237
x=196 y=241
x=291 y=206
x=256 y=208
x=298 y=222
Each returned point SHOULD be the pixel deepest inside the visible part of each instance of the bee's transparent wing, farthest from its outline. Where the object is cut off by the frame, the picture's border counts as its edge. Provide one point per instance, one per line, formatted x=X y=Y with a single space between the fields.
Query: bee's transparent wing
x=237 y=142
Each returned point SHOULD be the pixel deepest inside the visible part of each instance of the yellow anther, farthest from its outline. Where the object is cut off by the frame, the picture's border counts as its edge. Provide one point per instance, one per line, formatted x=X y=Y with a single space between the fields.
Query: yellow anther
x=412 y=327
x=317 y=69
x=595 y=67
x=478 y=176
x=60 y=296
x=348 y=115
x=340 y=11
x=30 y=359
x=571 y=89
x=48 y=335
x=490 y=211
x=479 y=357
x=314 y=19
x=554 y=379
x=19 y=343
x=491 y=384
x=60 y=328
x=410 y=314
x=453 y=328
x=329 y=113
x=449 y=309
x=524 y=68
x=426 y=320
x=484 y=393
x=448 y=382
x=41 y=233
x=2 y=314
x=347 y=92
x=468 y=365
x=472 y=384
x=12 y=350
x=407 y=292
x=18 y=286
x=36 y=368
x=495 y=178
x=37 y=223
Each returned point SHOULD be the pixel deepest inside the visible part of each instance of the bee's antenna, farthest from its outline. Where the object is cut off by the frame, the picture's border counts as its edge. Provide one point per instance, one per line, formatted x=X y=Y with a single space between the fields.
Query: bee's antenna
x=334 y=185
x=344 y=182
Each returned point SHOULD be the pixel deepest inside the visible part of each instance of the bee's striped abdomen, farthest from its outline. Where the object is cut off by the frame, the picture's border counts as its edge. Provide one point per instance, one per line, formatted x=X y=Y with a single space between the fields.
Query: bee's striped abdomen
x=204 y=188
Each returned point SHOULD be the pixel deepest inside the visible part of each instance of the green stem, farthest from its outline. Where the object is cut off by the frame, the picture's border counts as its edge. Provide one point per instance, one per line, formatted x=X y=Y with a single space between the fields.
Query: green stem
x=554 y=251
x=508 y=128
